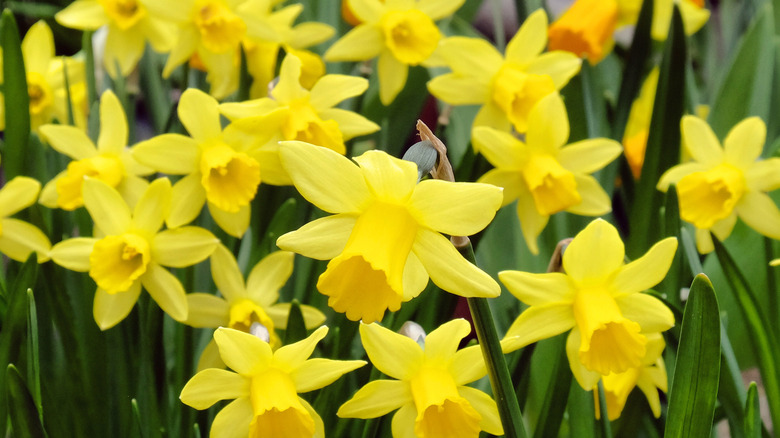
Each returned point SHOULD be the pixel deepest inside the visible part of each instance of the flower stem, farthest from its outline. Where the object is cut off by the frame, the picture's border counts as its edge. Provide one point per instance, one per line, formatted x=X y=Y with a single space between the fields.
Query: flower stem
x=606 y=427
x=500 y=381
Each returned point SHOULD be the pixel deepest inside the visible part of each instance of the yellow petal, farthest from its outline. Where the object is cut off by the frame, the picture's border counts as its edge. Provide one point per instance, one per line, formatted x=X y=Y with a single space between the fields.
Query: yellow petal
x=501 y=149
x=69 y=140
x=458 y=90
x=166 y=290
x=392 y=77
x=233 y=420
x=325 y=178
x=404 y=421
x=182 y=247
x=17 y=194
x=223 y=71
x=366 y=10
x=471 y=57
x=492 y=116
x=449 y=270
x=467 y=365
x=595 y=253
x=759 y=212
x=700 y=141
x=207 y=311
x=321 y=239
x=363 y=42
x=331 y=90
x=586 y=378
x=19 y=239
x=457 y=209
x=132 y=188
x=745 y=142
x=73 y=253
x=294 y=355
x=199 y=113
x=212 y=385
x=242 y=352
x=113 y=125
x=537 y=289
x=560 y=66
x=152 y=209
x=442 y=343
x=395 y=355
x=531 y=221
x=648 y=270
x=350 y=124
x=595 y=201
x=510 y=180
x=269 y=276
x=209 y=358
x=110 y=309
x=486 y=407
x=289 y=87
x=280 y=313
x=375 y=399
x=107 y=208
x=649 y=312
x=438 y=9
x=588 y=156
x=173 y=154
x=415 y=277
x=38 y=48
x=83 y=14
x=187 y=199
x=676 y=173
x=762 y=176
x=123 y=49
x=233 y=223
x=548 y=125
x=388 y=178
x=537 y=323
x=227 y=275
x=183 y=50
x=318 y=373
x=309 y=34
x=530 y=40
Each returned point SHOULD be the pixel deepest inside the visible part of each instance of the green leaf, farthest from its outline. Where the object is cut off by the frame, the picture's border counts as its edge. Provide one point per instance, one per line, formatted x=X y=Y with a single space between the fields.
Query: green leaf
x=670 y=221
x=25 y=420
x=33 y=359
x=17 y=101
x=743 y=91
x=731 y=393
x=764 y=341
x=296 y=326
x=752 y=413
x=695 y=385
x=663 y=142
x=557 y=394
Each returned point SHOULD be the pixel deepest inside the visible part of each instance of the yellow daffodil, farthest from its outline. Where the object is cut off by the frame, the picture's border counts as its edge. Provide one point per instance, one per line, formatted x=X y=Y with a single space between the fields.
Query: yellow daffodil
x=506 y=87
x=18 y=238
x=131 y=251
x=430 y=387
x=649 y=377
x=303 y=115
x=265 y=386
x=243 y=303
x=598 y=299
x=401 y=33
x=109 y=162
x=130 y=27
x=693 y=12
x=219 y=165
x=585 y=29
x=46 y=81
x=544 y=174
x=638 y=126
x=384 y=238
x=723 y=183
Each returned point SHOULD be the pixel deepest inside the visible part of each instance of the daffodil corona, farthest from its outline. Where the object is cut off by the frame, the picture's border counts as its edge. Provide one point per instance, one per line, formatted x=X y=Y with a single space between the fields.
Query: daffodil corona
x=598 y=298
x=723 y=183
x=383 y=240
x=585 y=29
x=543 y=174
x=265 y=385
x=430 y=392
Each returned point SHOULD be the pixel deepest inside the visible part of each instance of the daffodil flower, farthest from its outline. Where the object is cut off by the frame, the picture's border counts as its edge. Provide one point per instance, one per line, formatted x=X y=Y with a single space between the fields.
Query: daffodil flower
x=694 y=16
x=430 y=387
x=723 y=183
x=383 y=239
x=303 y=115
x=598 y=298
x=130 y=27
x=131 y=251
x=586 y=29
x=649 y=377
x=18 y=239
x=45 y=75
x=244 y=303
x=506 y=87
x=401 y=32
x=219 y=166
x=264 y=386
x=638 y=126
x=544 y=174
x=109 y=162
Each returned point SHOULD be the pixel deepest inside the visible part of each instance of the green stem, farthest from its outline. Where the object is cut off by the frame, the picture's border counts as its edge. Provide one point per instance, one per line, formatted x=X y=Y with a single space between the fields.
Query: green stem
x=771 y=284
x=90 y=68
x=606 y=427
x=500 y=381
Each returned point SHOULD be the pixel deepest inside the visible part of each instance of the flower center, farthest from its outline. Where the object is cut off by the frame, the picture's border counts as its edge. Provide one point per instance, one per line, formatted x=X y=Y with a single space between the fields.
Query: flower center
x=552 y=187
x=410 y=35
x=367 y=277
x=245 y=312
x=230 y=178
x=585 y=29
x=277 y=410
x=125 y=13
x=106 y=168
x=516 y=92
x=441 y=411
x=117 y=261
x=220 y=29
x=304 y=124
x=609 y=342
x=40 y=94
x=709 y=196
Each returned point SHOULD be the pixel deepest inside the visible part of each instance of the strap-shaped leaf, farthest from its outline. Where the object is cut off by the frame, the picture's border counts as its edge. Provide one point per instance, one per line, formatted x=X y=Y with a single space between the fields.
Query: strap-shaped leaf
x=752 y=413
x=24 y=416
x=17 y=117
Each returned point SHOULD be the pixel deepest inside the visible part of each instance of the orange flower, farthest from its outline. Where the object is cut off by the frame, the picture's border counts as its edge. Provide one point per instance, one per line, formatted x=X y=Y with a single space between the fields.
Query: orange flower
x=585 y=29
